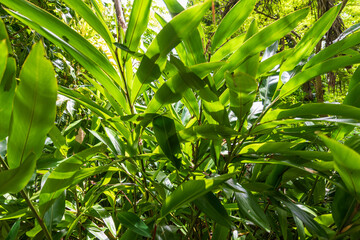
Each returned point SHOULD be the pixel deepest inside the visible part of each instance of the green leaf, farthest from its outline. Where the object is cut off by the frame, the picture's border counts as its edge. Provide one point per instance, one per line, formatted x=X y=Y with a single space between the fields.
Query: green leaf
x=62 y=31
x=96 y=23
x=84 y=59
x=334 y=49
x=177 y=29
x=55 y=213
x=260 y=41
x=347 y=164
x=139 y=18
x=228 y=48
x=166 y=135
x=311 y=38
x=207 y=131
x=15 y=179
x=134 y=223
x=232 y=22
x=342 y=207
x=220 y=232
x=7 y=93
x=190 y=191
x=242 y=93
x=13 y=231
x=106 y=217
x=352 y=98
x=64 y=176
x=249 y=208
x=212 y=207
x=299 y=79
x=34 y=107
x=175 y=88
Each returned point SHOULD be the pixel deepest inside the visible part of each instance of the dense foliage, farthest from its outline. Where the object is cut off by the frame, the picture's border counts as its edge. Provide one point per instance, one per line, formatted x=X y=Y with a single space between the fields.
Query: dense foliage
x=110 y=130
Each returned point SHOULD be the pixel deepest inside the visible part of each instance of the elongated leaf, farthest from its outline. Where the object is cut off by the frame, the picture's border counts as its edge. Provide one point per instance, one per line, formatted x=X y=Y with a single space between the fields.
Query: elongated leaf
x=232 y=22
x=177 y=29
x=347 y=162
x=7 y=93
x=55 y=213
x=63 y=176
x=15 y=179
x=271 y=62
x=34 y=107
x=194 y=53
x=96 y=23
x=242 y=93
x=166 y=135
x=190 y=191
x=106 y=217
x=87 y=62
x=314 y=109
x=173 y=89
x=133 y=222
x=334 y=49
x=260 y=41
x=207 y=131
x=212 y=207
x=311 y=38
x=13 y=231
x=62 y=31
x=220 y=232
x=248 y=206
x=294 y=83
x=342 y=207
x=139 y=18
x=228 y=48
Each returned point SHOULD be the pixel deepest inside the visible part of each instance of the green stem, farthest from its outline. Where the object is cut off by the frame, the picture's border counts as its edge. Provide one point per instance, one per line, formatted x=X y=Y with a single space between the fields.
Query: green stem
x=30 y=204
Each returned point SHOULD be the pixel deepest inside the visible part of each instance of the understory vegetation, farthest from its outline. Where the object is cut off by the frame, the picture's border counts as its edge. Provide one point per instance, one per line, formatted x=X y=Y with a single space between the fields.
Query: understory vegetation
x=120 y=123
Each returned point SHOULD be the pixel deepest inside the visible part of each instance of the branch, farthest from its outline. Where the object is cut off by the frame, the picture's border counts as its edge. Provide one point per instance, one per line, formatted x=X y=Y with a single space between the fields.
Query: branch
x=120 y=14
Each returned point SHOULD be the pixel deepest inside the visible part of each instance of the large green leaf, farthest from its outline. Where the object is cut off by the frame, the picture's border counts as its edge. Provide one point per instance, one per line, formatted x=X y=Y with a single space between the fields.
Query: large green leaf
x=232 y=22
x=62 y=31
x=242 y=93
x=347 y=164
x=212 y=207
x=15 y=179
x=166 y=135
x=139 y=18
x=133 y=222
x=353 y=96
x=248 y=206
x=106 y=217
x=13 y=231
x=34 y=107
x=90 y=64
x=190 y=191
x=193 y=46
x=260 y=41
x=179 y=28
x=313 y=109
x=304 y=48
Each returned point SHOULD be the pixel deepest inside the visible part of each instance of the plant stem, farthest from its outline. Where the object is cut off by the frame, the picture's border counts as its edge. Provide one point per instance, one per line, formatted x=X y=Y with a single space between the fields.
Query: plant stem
x=31 y=206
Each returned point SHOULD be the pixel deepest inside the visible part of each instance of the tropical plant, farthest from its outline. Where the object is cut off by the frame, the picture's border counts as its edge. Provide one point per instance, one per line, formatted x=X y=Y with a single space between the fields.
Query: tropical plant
x=184 y=140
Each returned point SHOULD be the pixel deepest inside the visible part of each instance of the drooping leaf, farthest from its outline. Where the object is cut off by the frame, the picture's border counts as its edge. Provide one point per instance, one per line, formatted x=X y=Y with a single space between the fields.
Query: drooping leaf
x=106 y=217
x=248 y=206
x=15 y=179
x=34 y=107
x=207 y=131
x=212 y=207
x=133 y=222
x=342 y=207
x=55 y=213
x=190 y=191
x=347 y=164
x=166 y=135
